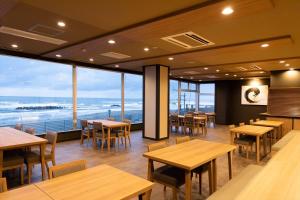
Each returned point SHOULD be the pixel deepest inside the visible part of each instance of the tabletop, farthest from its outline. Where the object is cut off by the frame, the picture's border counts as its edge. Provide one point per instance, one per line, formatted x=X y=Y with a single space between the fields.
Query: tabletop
x=100 y=182
x=11 y=138
x=108 y=123
x=280 y=178
x=29 y=192
x=268 y=123
x=190 y=155
x=251 y=130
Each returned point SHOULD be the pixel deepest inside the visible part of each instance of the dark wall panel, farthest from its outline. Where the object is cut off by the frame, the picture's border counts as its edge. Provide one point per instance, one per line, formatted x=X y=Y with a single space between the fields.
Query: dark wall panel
x=285 y=79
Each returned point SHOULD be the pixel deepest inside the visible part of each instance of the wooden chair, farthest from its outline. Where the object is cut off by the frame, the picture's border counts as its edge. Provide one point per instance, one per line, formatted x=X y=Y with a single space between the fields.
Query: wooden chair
x=201 y=124
x=166 y=175
x=111 y=119
x=251 y=121
x=19 y=127
x=189 y=124
x=242 y=124
x=3 y=185
x=125 y=133
x=33 y=157
x=85 y=131
x=203 y=168
x=100 y=135
x=31 y=131
x=174 y=122
x=66 y=168
x=243 y=141
x=257 y=119
x=11 y=160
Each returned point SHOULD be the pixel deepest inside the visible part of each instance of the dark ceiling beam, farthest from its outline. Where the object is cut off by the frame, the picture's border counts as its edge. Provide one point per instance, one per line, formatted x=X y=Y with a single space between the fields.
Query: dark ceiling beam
x=207 y=49
x=65 y=61
x=136 y=25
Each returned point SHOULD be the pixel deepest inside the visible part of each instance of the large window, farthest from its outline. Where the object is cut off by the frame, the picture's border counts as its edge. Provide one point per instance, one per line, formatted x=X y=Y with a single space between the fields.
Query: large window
x=98 y=94
x=188 y=97
x=133 y=104
x=35 y=93
x=207 y=97
x=173 y=96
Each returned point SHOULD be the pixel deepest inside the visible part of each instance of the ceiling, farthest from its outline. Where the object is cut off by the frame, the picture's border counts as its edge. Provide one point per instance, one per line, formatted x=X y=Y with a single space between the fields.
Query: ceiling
x=236 y=51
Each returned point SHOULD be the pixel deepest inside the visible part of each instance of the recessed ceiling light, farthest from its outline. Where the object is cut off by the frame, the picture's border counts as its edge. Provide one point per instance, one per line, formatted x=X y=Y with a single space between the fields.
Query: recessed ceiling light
x=227 y=10
x=264 y=45
x=61 y=24
x=170 y=74
x=191 y=78
x=205 y=68
x=14 y=46
x=200 y=80
x=235 y=75
x=171 y=58
x=291 y=69
x=91 y=59
x=282 y=61
x=58 y=55
x=111 y=42
x=217 y=70
x=226 y=74
x=287 y=65
x=146 y=49
x=262 y=72
x=83 y=50
x=242 y=78
x=181 y=76
x=117 y=66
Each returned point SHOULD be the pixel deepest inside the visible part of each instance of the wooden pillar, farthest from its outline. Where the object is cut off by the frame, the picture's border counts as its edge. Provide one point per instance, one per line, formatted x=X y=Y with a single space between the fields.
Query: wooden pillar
x=122 y=95
x=156 y=102
x=74 y=81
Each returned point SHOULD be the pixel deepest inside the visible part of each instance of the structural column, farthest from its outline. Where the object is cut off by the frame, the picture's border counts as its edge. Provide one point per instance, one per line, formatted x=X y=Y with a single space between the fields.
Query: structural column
x=74 y=80
x=156 y=102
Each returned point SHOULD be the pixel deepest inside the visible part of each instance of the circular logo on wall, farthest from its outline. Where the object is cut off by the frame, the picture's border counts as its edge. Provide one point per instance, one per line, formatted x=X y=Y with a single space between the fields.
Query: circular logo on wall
x=252 y=95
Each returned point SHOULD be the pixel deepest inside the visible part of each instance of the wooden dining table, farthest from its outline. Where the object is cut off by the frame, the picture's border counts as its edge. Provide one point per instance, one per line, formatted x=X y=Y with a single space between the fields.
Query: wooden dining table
x=29 y=192
x=277 y=125
x=257 y=131
x=11 y=138
x=108 y=124
x=190 y=155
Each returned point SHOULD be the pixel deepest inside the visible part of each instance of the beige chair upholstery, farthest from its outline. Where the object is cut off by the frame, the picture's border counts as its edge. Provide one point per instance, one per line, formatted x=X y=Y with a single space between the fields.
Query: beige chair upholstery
x=11 y=160
x=3 y=185
x=85 y=131
x=33 y=157
x=19 y=127
x=66 y=168
x=166 y=175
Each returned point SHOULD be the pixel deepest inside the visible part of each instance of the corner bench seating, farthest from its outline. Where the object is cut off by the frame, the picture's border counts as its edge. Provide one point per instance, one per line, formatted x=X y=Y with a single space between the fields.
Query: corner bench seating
x=284 y=140
x=231 y=189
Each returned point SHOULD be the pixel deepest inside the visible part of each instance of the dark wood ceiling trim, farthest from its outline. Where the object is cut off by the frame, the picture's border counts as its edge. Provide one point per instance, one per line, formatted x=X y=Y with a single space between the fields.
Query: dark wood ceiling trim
x=155 y=19
x=236 y=63
x=64 y=61
x=199 y=75
x=208 y=49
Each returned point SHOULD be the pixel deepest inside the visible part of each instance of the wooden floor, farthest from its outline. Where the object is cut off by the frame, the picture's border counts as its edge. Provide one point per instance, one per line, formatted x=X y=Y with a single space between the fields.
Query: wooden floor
x=131 y=160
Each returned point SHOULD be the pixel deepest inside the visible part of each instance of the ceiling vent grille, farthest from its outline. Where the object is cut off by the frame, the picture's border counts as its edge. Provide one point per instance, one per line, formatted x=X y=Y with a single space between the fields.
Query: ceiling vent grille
x=45 y=30
x=188 y=40
x=115 y=55
x=29 y=35
x=255 y=67
x=191 y=72
x=242 y=68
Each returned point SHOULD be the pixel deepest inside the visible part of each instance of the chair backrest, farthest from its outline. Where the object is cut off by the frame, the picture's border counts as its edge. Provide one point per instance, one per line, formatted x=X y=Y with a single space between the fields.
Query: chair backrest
x=231 y=126
x=174 y=119
x=97 y=127
x=251 y=121
x=67 y=168
x=52 y=139
x=182 y=139
x=31 y=131
x=111 y=119
x=242 y=124
x=257 y=119
x=188 y=120
x=158 y=145
x=19 y=127
x=3 y=185
x=84 y=124
x=127 y=121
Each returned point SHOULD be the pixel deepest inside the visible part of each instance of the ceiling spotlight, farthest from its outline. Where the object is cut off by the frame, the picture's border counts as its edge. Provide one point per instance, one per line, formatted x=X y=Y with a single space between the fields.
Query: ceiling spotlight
x=14 y=46
x=227 y=10
x=262 y=72
x=287 y=65
x=61 y=24
x=91 y=59
x=181 y=76
x=200 y=80
x=83 y=50
x=58 y=55
x=242 y=78
x=291 y=69
x=226 y=74
x=191 y=78
x=217 y=70
x=282 y=61
x=171 y=58
x=235 y=75
x=146 y=49
x=264 y=45
x=205 y=68
x=111 y=42
x=117 y=66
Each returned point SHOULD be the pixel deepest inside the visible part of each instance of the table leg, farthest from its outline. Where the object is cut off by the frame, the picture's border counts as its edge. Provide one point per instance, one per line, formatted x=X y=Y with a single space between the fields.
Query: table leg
x=257 y=149
x=150 y=176
x=271 y=140
x=42 y=153
x=143 y=197
x=214 y=168
x=264 y=143
x=188 y=185
x=282 y=130
x=230 y=164
x=1 y=162
x=108 y=139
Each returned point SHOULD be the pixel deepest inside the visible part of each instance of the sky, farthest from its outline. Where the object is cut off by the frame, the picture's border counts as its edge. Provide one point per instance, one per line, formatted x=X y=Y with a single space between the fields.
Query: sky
x=28 y=77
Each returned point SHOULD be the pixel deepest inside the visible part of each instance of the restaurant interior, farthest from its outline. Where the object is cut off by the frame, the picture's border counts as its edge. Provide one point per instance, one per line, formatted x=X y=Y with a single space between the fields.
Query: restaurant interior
x=193 y=99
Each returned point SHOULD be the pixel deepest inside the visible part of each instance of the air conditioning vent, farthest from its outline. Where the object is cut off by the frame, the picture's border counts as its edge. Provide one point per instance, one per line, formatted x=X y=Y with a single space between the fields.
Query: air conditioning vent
x=115 y=55
x=242 y=68
x=45 y=30
x=255 y=67
x=29 y=35
x=188 y=40
x=191 y=72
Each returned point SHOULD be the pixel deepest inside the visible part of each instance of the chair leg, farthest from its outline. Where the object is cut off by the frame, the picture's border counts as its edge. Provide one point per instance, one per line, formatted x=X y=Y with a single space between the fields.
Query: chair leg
x=47 y=167
x=129 y=140
x=53 y=162
x=29 y=171
x=174 y=194
x=247 y=152
x=210 y=179
x=125 y=142
x=81 y=139
x=22 y=174
x=200 y=183
x=165 y=188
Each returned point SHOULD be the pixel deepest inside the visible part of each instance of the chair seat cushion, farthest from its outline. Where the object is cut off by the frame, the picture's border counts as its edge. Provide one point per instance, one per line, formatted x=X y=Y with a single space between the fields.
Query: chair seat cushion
x=12 y=160
x=169 y=175
x=34 y=156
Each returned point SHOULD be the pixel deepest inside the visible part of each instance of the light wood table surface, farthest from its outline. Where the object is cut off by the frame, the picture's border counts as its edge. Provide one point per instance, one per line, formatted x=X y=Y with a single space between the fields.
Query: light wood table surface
x=11 y=138
x=278 y=125
x=100 y=182
x=257 y=131
x=280 y=178
x=30 y=192
x=190 y=155
x=109 y=125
